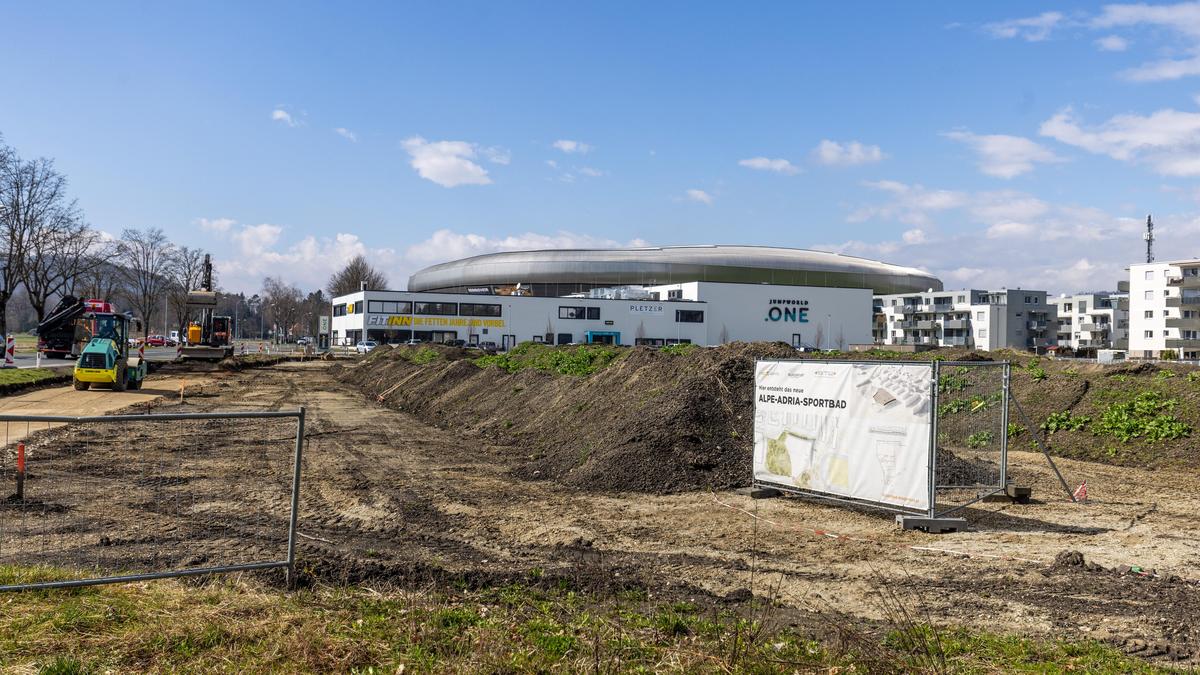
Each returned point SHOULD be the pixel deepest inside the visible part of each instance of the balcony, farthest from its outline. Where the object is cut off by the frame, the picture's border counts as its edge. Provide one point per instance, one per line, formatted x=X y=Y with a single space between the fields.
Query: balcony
x=1037 y=325
x=1182 y=301
x=904 y=325
x=1095 y=327
x=956 y=324
x=1186 y=343
x=925 y=325
x=961 y=341
x=1185 y=281
x=906 y=309
x=946 y=307
x=1122 y=286
x=1184 y=323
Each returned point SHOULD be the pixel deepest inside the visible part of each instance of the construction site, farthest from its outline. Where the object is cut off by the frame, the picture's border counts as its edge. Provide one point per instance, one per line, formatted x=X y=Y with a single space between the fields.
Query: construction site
x=607 y=471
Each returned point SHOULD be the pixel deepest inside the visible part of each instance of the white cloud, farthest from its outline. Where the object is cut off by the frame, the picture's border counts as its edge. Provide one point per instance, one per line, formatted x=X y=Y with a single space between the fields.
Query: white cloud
x=444 y=245
x=1168 y=140
x=1004 y=156
x=1183 y=17
x=1010 y=230
x=218 y=225
x=910 y=204
x=245 y=254
x=284 y=117
x=589 y=171
x=1112 y=43
x=497 y=155
x=346 y=134
x=552 y=164
x=570 y=147
x=700 y=196
x=1030 y=29
x=914 y=236
x=832 y=153
x=447 y=163
x=768 y=164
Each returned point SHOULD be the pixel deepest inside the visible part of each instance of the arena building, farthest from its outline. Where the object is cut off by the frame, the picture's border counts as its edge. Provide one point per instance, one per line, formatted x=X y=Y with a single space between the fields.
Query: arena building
x=559 y=272
x=647 y=296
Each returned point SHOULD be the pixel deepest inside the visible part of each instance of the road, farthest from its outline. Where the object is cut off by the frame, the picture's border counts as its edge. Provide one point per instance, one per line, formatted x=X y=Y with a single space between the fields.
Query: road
x=28 y=359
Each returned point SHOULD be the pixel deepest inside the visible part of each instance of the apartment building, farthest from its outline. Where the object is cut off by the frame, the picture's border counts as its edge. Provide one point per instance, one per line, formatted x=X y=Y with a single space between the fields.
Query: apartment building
x=1090 y=321
x=1164 y=309
x=985 y=320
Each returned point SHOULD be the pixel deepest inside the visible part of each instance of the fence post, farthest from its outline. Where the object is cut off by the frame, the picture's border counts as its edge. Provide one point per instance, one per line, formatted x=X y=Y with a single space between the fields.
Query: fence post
x=21 y=471
x=291 y=550
x=1004 y=427
x=933 y=440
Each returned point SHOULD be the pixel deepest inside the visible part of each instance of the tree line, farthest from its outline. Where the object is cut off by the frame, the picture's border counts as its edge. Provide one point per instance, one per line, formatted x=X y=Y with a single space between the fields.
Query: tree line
x=48 y=251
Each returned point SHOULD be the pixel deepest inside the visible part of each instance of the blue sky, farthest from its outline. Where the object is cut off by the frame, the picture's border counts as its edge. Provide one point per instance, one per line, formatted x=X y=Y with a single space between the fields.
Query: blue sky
x=1017 y=144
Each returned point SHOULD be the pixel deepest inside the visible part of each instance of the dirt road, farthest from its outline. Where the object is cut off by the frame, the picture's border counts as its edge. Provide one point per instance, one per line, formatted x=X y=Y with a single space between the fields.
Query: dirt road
x=388 y=497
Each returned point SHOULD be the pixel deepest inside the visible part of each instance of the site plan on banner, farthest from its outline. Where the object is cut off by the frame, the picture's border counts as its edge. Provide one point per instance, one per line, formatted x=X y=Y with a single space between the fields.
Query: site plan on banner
x=856 y=430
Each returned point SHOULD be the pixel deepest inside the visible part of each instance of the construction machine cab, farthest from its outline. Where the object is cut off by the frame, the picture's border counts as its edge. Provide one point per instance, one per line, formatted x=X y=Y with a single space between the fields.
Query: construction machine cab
x=106 y=360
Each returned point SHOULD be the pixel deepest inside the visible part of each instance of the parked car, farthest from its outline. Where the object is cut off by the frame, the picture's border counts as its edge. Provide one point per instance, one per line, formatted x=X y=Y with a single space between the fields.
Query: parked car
x=365 y=346
x=156 y=341
x=303 y=342
x=456 y=343
x=489 y=347
x=413 y=341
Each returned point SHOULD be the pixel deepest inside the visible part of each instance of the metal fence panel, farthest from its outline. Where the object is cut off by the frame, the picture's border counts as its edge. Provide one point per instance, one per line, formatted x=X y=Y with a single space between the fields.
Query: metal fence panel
x=133 y=497
x=972 y=430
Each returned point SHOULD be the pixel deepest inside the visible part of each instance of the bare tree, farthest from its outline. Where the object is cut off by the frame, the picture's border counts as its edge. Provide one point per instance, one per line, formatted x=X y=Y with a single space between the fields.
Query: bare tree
x=282 y=302
x=102 y=281
x=148 y=257
x=30 y=192
x=60 y=251
x=354 y=275
x=186 y=273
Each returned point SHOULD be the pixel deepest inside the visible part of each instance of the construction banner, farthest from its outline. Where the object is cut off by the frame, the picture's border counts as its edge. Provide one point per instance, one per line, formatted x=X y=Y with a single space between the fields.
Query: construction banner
x=857 y=430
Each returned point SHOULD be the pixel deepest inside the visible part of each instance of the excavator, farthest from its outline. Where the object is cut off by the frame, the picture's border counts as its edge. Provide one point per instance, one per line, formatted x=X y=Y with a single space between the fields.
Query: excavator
x=211 y=337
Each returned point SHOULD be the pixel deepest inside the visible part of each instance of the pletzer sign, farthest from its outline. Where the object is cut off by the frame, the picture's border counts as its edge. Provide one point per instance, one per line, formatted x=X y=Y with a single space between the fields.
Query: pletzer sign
x=653 y=310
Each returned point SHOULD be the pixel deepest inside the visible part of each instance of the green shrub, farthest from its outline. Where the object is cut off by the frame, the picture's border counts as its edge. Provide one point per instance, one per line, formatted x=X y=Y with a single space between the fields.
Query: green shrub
x=1015 y=429
x=679 y=349
x=423 y=355
x=1168 y=355
x=955 y=381
x=1193 y=376
x=1148 y=415
x=980 y=439
x=1164 y=375
x=580 y=360
x=1064 y=421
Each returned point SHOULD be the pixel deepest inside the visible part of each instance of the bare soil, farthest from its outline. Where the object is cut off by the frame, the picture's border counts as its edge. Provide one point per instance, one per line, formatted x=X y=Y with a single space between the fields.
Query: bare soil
x=392 y=496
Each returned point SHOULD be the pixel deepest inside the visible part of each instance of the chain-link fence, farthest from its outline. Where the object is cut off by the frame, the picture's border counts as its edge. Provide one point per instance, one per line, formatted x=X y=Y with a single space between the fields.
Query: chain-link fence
x=972 y=430
x=89 y=500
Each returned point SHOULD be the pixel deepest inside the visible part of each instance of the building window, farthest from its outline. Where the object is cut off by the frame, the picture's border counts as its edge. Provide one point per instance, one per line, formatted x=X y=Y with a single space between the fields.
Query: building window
x=339 y=310
x=478 y=309
x=981 y=316
x=1148 y=334
x=983 y=333
x=1149 y=275
x=1029 y=299
x=593 y=313
x=1149 y=314
x=689 y=316
x=436 y=308
x=676 y=294
x=388 y=307
x=1149 y=295
x=962 y=298
x=572 y=312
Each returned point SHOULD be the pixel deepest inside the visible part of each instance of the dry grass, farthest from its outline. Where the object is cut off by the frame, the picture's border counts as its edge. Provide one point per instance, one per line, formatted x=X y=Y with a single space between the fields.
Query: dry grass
x=239 y=624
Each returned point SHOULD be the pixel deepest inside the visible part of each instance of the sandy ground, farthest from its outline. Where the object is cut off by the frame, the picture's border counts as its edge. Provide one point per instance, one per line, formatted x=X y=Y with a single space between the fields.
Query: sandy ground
x=387 y=497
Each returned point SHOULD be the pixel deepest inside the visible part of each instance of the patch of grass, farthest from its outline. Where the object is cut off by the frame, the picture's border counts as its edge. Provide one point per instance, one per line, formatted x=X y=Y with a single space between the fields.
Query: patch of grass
x=420 y=356
x=15 y=376
x=1064 y=421
x=679 y=349
x=236 y=625
x=980 y=439
x=1147 y=415
x=580 y=360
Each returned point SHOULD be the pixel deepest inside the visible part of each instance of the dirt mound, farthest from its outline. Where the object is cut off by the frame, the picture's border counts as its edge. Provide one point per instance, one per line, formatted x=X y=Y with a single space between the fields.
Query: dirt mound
x=651 y=421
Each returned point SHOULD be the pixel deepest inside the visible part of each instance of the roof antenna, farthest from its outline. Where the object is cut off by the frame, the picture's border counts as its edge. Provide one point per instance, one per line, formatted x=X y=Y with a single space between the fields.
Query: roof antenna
x=1149 y=237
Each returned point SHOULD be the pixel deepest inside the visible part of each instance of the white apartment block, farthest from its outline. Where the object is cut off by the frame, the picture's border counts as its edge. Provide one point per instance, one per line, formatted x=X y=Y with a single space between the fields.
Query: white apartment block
x=1164 y=309
x=1088 y=321
x=984 y=320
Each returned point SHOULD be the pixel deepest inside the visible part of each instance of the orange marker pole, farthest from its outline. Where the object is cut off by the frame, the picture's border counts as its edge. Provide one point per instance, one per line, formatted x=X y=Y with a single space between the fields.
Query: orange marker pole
x=20 y=471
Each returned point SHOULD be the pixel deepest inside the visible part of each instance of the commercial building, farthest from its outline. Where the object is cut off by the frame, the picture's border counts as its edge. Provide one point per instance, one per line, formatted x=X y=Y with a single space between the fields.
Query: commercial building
x=1092 y=321
x=985 y=320
x=703 y=313
x=1164 y=310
